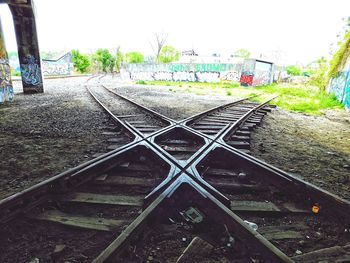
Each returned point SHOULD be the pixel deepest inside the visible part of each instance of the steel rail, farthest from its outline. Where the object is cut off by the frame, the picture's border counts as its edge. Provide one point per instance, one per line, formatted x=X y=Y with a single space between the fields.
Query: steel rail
x=234 y=223
x=231 y=128
x=139 y=136
x=330 y=203
x=92 y=77
x=165 y=129
x=224 y=131
x=156 y=148
x=159 y=115
x=190 y=119
x=20 y=202
x=209 y=141
x=235 y=126
x=321 y=195
x=161 y=151
x=111 y=115
x=184 y=122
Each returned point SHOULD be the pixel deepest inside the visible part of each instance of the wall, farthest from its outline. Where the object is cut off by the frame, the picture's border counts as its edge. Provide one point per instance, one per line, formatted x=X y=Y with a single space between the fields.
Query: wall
x=262 y=73
x=23 y=14
x=6 y=89
x=59 y=67
x=201 y=72
x=256 y=73
x=340 y=86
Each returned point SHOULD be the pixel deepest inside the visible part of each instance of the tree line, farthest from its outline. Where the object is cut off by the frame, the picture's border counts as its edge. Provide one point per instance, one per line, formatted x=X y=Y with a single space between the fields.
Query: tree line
x=110 y=61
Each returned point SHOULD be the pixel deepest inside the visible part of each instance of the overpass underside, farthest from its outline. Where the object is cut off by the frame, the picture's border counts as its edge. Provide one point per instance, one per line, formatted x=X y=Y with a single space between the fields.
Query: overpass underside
x=23 y=13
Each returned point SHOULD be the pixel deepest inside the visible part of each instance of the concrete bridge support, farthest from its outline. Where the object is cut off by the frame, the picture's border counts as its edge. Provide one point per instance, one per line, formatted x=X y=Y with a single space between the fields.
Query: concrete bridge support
x=23 y=12
x=6 y=89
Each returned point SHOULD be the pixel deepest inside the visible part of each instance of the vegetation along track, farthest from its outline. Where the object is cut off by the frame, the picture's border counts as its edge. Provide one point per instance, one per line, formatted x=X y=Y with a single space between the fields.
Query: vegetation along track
x=176 y=194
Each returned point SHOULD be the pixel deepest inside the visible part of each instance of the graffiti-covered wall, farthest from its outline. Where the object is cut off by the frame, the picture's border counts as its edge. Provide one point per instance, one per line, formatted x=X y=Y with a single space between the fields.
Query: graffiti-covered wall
x=28 y=46
x=256 y=73
x=59 y=67
x=6 y=89
x=182 y=72
x=340 y=86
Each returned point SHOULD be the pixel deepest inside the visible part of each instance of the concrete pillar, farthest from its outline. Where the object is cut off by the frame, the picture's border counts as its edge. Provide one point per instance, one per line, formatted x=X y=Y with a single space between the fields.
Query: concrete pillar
x=6 y=89
x=28 y=47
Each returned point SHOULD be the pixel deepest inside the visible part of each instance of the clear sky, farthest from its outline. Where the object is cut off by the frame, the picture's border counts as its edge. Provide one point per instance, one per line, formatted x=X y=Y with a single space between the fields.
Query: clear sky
x=299 y=30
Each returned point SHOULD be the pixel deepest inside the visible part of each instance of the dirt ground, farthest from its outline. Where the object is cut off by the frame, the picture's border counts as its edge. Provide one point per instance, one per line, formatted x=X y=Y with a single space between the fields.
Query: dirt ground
x=42 y=135
x=315 y=148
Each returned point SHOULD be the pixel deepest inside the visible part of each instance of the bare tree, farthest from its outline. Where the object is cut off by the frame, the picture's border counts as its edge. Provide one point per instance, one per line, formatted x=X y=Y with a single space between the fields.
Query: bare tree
x=160 y=41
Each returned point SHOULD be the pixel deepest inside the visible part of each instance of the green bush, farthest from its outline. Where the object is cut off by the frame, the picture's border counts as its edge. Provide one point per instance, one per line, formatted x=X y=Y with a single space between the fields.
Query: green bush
x=134 y=57
x=119 y=59
x=169 y=54
x=340 y=57
x=319 y=76
x=293 y=70
x=81 y=62
x=105 y=58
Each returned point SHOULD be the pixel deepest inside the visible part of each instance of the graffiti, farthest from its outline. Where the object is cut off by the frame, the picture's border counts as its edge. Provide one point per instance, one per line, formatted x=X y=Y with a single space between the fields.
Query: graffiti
x=208 y=76
x=340 y=86
x=347 y=93
x=31 y=74
x=164 y=76
x=184 y=76
x=246 y=79
x=182 y=72
x=261 y=77
x=6 y=89
x=141 y=76
x=61 y=66
x=256 y=73
x=5 y=73
x=6 y=94
x=178 y=67
x=56 y=69
x=230 y=76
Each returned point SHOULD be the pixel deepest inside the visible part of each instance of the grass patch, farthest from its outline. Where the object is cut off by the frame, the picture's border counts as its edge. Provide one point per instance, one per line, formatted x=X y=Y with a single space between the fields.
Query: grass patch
x=301 y=98
x=141 y=82
x=297 y=98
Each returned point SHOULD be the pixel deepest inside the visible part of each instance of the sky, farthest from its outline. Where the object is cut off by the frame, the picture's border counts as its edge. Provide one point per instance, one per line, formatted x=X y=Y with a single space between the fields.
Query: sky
x=297 y=31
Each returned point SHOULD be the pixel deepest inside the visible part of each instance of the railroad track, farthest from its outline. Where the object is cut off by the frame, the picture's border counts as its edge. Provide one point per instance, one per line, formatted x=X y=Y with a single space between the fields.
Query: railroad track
x=176 y=193
x=130 y=121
